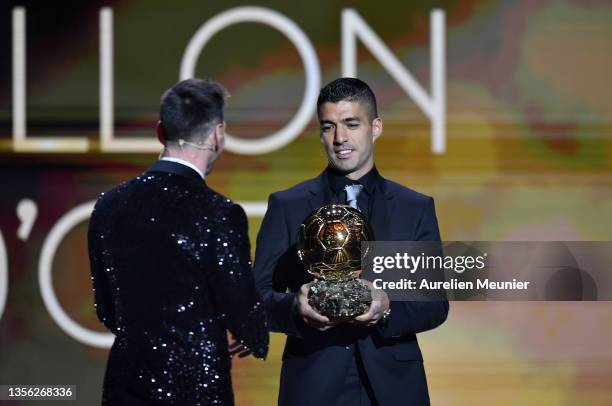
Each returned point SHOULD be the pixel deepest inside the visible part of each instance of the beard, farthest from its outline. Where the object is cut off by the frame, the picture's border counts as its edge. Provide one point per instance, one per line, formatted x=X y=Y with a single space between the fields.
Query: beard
x=211 y=163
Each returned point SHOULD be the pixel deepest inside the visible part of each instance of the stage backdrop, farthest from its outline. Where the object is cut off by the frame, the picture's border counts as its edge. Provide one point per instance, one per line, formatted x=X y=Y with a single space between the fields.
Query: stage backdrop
x=499 y=110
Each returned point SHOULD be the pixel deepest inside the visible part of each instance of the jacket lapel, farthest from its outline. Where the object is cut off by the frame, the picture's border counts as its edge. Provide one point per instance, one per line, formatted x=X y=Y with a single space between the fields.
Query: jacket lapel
x=319 y=192
x=381 y=211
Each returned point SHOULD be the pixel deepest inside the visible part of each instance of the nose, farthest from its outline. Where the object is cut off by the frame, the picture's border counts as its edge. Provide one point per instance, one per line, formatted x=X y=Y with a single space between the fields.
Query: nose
x=340 y=136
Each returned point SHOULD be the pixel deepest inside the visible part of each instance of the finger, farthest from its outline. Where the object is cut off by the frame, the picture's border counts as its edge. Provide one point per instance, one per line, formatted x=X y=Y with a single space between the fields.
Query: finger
x=312 y=314
x=366 y=316
x=369 y=318
x=244 y=353
x=316 y=324
x=236 y=350
x=374 y=308
x=368 y=322
x=306 y=288
x=375 y=318
x=236 y=346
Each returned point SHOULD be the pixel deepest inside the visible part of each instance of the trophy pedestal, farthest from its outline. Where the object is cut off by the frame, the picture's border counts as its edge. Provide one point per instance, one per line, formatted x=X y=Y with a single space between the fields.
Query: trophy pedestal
x=338 y=300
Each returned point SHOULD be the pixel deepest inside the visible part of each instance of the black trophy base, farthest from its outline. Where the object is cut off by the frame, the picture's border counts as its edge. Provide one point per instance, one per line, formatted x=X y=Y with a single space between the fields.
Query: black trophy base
x=340 y=300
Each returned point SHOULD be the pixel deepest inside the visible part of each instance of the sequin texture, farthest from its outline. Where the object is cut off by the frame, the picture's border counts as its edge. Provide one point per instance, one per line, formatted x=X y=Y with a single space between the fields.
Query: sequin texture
x=170 y=262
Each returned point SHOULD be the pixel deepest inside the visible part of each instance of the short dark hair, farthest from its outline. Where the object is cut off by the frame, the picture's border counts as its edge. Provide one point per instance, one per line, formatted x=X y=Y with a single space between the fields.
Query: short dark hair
x=191 y=107
x=349 y=89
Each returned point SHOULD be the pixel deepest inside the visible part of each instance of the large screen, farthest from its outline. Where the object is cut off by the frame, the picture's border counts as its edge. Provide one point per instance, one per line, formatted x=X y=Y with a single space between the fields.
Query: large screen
x=501 y=111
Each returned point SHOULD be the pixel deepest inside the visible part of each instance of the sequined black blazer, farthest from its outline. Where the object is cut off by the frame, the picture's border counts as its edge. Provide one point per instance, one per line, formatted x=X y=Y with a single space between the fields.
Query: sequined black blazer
x=171 y=270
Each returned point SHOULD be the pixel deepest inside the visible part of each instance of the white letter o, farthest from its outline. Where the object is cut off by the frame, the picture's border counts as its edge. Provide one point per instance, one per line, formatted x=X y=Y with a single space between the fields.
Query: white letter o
x=304 y=47
x=3 y=275
x=49 y=248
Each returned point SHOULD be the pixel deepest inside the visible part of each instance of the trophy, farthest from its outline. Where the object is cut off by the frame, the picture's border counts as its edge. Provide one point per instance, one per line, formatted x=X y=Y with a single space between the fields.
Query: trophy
x=330 y=248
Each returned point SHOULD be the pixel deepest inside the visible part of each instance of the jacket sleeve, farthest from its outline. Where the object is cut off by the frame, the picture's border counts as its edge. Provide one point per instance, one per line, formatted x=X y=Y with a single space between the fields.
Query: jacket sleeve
x=272 y=243
x=233 y=287
x=103 y=302
x=411 y=317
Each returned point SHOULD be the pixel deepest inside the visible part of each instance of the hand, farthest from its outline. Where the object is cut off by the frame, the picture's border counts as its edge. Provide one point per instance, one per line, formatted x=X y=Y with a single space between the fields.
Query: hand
x=380 y=304
x=307 y=313
x=236 y=348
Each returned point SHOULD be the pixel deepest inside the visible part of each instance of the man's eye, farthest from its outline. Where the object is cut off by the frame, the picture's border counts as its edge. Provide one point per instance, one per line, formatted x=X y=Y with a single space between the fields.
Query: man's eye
x=352 y=125
x=326 y=128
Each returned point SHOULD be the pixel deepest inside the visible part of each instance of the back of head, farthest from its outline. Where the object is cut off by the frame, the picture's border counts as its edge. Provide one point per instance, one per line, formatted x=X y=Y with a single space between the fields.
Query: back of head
x=349 y=89
x=191 y=108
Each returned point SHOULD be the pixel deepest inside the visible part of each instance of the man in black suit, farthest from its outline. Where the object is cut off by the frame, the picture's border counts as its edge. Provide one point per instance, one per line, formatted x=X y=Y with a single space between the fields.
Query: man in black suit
x=171 y=267
x=375 y=360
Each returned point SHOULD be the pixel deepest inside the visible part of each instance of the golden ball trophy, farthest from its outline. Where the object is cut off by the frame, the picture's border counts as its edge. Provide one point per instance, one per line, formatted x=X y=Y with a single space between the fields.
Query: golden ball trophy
x=330 y=248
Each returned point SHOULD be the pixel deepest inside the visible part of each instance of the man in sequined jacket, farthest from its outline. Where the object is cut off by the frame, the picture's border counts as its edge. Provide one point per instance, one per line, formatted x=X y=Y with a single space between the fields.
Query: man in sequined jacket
x=375 y=359
x=171 y=269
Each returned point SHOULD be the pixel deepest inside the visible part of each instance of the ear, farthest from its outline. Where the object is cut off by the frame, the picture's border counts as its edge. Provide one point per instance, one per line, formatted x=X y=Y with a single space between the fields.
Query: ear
x=219 y=135
x=160 y=133
x=377 y=128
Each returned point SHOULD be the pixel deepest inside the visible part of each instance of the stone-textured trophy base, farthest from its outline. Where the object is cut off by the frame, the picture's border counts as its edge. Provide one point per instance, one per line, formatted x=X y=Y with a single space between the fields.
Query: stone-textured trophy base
x=338 y=300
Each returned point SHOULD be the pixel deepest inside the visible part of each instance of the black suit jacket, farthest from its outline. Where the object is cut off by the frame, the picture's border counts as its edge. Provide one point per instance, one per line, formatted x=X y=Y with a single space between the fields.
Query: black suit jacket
x=315 y=363
x=170 y=263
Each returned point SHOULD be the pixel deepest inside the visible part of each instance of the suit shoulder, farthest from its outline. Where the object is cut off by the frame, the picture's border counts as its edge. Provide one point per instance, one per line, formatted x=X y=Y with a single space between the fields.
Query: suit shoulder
x=108 y=204
x=224 y=204
x=296 y=192
x=406 y=193
x=110 y=196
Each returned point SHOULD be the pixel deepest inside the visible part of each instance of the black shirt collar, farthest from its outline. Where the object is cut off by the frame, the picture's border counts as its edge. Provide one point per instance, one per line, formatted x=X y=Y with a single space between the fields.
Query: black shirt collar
x=337 y=182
